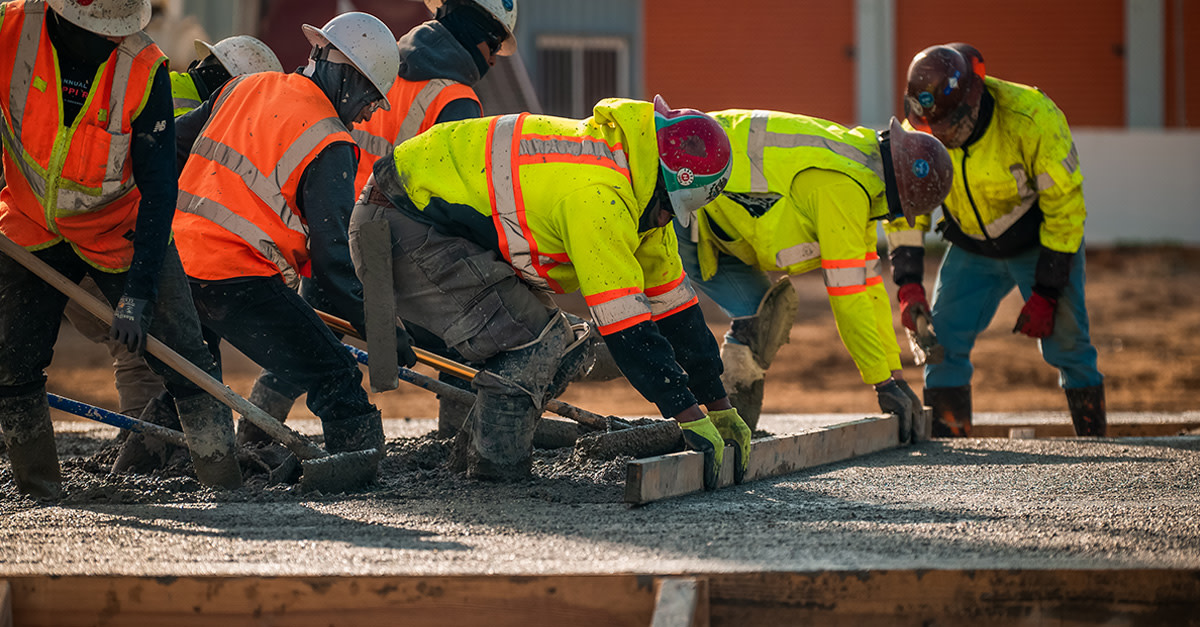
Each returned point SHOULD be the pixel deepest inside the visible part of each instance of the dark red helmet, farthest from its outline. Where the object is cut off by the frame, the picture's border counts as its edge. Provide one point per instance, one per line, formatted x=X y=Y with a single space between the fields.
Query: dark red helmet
x=945 y=87
x=924 y=171
x=694 y=155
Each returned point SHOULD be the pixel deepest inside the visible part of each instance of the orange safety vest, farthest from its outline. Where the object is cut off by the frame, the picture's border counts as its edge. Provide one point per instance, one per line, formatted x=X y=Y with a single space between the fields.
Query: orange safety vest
x=75 y=183
x=416 y=106
x=237 y=213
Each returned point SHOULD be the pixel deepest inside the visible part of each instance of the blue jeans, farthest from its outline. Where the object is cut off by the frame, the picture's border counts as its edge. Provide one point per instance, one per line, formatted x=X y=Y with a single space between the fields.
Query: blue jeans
x=968 y=291
x=736 y=287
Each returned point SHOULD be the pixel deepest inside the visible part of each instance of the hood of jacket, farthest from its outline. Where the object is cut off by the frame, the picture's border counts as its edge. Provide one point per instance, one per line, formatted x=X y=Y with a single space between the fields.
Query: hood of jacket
x=430 y=51
x=631 y=124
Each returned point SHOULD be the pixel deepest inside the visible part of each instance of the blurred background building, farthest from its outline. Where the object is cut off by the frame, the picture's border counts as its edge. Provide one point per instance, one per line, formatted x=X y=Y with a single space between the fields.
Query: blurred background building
x=1119 y=69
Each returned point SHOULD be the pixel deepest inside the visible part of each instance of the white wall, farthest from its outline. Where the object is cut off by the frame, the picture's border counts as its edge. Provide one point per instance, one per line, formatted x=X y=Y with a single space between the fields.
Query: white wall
x=1140 y=185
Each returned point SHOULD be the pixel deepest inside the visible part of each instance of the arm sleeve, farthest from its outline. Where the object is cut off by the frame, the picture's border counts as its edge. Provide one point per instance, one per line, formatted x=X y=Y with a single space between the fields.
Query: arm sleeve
x=326 y=199
x=1054 y=165
x=647 y=360
x=849 y=266
x=696 y=351
x=155 y=175
x=461 y=109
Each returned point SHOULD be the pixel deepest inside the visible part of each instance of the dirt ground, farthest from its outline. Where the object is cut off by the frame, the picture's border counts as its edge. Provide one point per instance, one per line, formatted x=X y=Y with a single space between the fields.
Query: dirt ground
x=1145 y=316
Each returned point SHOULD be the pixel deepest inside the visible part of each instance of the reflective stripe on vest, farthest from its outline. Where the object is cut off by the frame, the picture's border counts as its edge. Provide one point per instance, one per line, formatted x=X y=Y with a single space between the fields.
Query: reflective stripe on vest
x=380 y=146
x=670 y=298
x=759 y=139
x=851 y=276
x=619 y=309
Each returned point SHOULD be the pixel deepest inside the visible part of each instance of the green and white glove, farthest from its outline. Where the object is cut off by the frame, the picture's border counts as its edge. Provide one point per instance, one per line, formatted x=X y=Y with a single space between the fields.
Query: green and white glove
x=702 y=436
x=735 y=431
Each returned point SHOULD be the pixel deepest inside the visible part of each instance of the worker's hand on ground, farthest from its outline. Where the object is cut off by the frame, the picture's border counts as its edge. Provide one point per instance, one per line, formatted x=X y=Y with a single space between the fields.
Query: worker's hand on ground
x=405 y=355
x=912 y=303
x=735 y=431
x=702 y=436
x=893 y=400
x=917 y=405
x=1037 y=316
x=129 y=323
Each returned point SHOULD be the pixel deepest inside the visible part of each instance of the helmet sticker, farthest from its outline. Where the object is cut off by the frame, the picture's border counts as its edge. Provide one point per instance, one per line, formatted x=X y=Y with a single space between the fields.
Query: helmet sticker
x=686 y=177
x=508 y=5
x=925 y=98
x=951 y=83
x=920 y=168
x=83 y=3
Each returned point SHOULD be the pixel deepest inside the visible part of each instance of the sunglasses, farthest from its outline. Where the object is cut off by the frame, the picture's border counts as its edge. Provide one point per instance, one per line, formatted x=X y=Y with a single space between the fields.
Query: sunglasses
x=494 y=42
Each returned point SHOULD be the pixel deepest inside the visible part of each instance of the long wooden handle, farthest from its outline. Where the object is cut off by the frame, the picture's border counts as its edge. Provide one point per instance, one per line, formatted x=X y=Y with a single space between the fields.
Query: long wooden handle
x=289 y=438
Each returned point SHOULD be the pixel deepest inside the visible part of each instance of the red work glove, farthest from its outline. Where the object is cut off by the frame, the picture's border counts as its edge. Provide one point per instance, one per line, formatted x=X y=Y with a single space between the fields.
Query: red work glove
x=912 y=300
x=1037 y=316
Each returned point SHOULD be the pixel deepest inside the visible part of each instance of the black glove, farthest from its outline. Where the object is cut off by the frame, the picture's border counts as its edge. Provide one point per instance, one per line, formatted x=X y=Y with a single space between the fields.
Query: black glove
x=405 y=355
x=893 y=400
x=129 y=323
x=917 y=404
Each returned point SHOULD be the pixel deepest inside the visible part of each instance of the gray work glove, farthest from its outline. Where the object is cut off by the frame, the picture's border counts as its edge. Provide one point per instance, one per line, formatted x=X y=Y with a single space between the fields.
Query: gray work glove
x=405 y=355
x=893 y=400
x=130 y=320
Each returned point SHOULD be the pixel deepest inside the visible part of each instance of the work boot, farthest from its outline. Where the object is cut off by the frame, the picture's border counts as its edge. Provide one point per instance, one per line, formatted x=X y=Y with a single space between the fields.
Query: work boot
x=208 y=425
x=1088 y=412
x=276 y=404
x=951 y=411
x=29 y=438
x=452 y=413
x=145 y=453
x=744 y=380
x=354 y=434
x=501 y=436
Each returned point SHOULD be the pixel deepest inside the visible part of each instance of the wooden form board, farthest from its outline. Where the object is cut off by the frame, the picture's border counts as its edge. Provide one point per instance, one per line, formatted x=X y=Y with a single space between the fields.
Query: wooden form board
x=681 y=602
x=656 y=478
x=6 y=619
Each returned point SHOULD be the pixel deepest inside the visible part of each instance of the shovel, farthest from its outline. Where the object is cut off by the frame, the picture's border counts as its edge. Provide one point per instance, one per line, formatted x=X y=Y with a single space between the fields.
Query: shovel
x=285 y=472
x=321 y=471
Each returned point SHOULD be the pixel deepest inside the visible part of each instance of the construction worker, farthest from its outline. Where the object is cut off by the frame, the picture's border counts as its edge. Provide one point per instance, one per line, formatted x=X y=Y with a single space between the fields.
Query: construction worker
x=440 y=60
x=215 y=64
x=264 y=198
x=804 y=194
x=482 y=233
x=1013 y=218
x=88 y=134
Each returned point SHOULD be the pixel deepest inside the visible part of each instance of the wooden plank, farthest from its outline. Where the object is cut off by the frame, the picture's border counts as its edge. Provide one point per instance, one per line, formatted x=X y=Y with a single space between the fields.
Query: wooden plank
x=6 y=618
x=513 y=601
x=979 y=598
x=681 y=602
x=379 y=303
x=665 y=476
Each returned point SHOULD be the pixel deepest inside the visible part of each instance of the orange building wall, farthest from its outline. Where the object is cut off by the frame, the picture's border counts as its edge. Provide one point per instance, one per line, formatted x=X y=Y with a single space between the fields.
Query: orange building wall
x=1185 y=13
x=793 y=55
x=1071 y=49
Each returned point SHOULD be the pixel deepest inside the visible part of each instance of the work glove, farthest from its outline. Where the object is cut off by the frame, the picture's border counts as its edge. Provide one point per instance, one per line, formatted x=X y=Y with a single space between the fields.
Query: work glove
x=917 y=405
x=702 y=436
x=893 y=400
x=1037 y=316
x=130 y=319
x=405 y=355
x=912 y=303
x=735 y=431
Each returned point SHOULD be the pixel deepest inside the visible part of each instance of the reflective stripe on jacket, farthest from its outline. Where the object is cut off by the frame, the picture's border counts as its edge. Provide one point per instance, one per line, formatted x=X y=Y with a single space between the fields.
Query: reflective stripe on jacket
x=416 y=106
x=237 y=213
x=70 y=183
x=803 y=195
x=184 y=95
x=564 y=197
x=1025 y=158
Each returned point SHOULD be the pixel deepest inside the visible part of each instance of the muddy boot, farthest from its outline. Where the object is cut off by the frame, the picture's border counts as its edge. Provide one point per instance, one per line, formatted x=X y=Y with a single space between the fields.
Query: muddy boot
x=451 y=413
x=277 y=406
x=208 y=425
x=146 y=453
x=1088 y=412
x=744 y=380
x=354 y=434
x=29 y=438
x=951 y=411
x=501 y=435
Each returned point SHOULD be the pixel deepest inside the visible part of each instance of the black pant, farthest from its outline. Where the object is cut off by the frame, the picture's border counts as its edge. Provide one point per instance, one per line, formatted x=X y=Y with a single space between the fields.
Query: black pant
x=273 y=326
x=31 y=312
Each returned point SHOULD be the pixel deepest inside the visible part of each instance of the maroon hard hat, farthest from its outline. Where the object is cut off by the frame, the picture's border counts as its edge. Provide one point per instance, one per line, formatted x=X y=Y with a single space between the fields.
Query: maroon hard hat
x=924 y=171
x=694 y=155
x=945 y=86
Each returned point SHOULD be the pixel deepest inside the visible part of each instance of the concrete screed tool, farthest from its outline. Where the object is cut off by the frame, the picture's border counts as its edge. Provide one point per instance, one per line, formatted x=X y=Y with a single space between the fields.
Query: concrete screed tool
x=613 y=437
x=322 y=471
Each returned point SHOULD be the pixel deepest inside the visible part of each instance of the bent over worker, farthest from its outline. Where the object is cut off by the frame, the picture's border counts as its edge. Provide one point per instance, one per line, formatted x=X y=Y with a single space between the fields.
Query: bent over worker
x=488 y=214
x=804 y=194
x=1014 y=218
x=88 y=134
x=215 y=64
x=264 y=199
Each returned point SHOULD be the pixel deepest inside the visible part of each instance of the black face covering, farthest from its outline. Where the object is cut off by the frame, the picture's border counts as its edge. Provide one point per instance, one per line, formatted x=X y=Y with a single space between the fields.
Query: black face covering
x=658 y=203
x=208 y=75
x=347 y=88
x=83 y=46
x=472 y=26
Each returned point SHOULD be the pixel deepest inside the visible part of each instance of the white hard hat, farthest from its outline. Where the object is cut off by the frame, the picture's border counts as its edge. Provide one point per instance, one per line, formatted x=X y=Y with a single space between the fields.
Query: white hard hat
x=367 y=42
x=240 y=54
x=505 y=12
x=111 y=18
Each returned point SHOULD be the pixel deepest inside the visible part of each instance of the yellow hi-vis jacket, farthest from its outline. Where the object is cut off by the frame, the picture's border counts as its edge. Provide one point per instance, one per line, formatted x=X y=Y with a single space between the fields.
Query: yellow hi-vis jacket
x=1026 y=157
x=564 y=197
x=184 y=95
x=804 y=194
